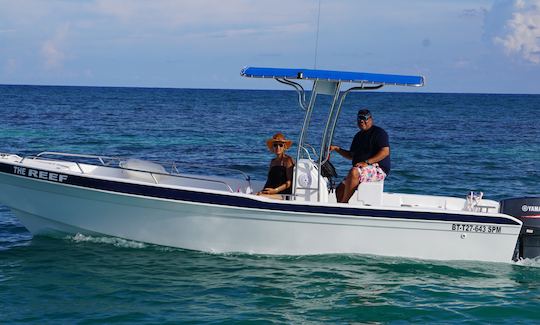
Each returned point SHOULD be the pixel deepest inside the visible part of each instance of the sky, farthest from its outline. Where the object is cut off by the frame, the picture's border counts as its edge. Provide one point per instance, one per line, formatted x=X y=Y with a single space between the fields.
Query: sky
x=479 y=46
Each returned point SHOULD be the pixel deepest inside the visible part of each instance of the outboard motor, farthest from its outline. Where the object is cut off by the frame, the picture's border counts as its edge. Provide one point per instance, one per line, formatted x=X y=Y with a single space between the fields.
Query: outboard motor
x=526 y=209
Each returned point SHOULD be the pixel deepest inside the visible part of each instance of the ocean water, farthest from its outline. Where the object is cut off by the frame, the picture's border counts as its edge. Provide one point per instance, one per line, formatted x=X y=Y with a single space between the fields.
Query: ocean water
x=444 y=144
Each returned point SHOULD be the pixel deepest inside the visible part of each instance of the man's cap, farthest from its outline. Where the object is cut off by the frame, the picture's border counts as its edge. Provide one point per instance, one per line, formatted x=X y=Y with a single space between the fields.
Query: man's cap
x=363 y=115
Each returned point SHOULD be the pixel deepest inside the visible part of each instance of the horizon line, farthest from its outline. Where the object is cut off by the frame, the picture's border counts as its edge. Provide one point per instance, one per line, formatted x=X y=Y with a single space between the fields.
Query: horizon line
x=261 y=89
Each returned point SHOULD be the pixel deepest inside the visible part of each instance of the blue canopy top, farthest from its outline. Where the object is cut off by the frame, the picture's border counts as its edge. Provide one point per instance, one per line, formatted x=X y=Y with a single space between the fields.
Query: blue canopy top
x=329 y=75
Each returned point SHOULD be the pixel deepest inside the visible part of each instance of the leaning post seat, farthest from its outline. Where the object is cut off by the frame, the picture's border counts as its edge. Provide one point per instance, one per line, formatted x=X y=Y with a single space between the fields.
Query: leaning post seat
x=306 y=182
x=368 y=193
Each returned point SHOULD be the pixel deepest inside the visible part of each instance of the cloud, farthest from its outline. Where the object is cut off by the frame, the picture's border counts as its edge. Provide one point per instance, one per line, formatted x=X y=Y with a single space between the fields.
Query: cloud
x=265 y=30
x=472 y=13
x=173 y=13
x=10 y=66
x=51 y=49
x=462 y=63
x=520 y=31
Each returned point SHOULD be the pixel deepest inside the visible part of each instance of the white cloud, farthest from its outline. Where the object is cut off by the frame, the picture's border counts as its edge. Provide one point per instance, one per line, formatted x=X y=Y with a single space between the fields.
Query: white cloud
x=174 y=13
x=472 y=13
x=10 y=66
x=51 y=49
x=462 y=63
x=521 y=32
x=269 y=30
x=88 y=73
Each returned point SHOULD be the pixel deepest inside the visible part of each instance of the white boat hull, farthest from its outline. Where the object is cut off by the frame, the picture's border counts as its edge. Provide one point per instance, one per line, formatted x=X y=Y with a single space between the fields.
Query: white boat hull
x=46 y=207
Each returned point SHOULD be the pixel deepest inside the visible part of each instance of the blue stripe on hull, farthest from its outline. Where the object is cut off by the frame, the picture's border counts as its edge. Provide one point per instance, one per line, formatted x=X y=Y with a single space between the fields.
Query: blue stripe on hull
x=243 y=202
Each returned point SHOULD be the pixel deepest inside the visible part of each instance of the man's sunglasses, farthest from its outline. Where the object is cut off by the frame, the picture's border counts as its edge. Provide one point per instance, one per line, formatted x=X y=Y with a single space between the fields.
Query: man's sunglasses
x=277 y=144
x=363 y=118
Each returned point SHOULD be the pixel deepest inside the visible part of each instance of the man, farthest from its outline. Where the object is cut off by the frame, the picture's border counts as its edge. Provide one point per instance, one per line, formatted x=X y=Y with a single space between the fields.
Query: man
x=370 y=155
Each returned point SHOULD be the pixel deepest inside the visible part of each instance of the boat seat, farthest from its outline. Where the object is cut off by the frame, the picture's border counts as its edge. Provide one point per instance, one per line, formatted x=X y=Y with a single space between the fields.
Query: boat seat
x=368 y=193
x=306 y=182
x=142 y=170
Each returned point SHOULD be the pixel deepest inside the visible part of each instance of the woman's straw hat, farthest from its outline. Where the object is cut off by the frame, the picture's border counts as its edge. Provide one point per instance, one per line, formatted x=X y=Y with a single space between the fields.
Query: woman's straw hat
x=278 y=137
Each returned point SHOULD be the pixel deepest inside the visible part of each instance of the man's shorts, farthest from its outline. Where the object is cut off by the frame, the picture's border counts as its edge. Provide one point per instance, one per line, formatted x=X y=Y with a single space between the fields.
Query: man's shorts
x=371 y=173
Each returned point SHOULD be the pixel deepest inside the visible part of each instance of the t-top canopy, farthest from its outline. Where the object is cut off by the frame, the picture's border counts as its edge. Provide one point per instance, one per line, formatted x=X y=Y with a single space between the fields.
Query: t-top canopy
x=329 y=75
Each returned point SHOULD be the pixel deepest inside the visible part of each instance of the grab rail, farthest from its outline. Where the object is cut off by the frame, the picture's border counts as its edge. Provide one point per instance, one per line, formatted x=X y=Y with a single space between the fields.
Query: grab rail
x=174 y=169
x=246 y=176
x=54 y=153
x=100 y=158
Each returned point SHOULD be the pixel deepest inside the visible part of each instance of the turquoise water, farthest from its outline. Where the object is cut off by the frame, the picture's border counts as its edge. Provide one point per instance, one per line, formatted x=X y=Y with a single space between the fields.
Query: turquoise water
x=445 y=144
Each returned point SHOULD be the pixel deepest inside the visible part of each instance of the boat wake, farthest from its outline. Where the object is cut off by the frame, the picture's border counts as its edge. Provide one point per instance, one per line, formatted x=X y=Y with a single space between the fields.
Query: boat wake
x=118 y=242
x=529 y=262
x=123 y=243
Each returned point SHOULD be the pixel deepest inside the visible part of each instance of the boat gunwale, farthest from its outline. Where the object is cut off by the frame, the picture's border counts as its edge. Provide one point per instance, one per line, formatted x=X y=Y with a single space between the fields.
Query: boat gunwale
x=250 y=201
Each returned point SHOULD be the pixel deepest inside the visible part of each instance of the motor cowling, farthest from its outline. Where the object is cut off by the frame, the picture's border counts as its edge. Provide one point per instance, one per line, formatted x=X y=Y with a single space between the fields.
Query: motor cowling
x=526 y=209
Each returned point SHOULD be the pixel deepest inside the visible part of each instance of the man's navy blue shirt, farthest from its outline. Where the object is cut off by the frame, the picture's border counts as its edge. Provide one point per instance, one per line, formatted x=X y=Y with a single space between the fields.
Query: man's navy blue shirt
x=367 y=144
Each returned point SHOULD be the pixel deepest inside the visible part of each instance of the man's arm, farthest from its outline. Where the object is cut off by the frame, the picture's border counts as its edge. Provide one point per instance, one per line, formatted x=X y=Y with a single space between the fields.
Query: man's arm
x=344 y=153
x=383 y=153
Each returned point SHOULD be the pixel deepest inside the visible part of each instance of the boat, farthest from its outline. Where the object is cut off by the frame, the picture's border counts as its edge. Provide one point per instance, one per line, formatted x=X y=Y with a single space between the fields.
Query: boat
x=56 y=193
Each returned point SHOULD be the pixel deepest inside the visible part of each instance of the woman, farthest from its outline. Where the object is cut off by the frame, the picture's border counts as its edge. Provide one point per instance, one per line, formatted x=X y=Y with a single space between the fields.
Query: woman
x=280 y=174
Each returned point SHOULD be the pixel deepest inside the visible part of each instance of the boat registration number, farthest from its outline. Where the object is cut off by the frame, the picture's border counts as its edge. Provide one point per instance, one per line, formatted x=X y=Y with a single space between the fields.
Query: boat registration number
x=476 y=228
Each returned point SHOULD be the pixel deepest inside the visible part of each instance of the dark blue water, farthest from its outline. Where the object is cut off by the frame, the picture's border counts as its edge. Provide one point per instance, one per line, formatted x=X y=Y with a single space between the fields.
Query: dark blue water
x=444 y=144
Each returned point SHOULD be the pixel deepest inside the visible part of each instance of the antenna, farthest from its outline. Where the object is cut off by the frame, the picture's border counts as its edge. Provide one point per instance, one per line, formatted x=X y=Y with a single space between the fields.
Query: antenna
x=317 y=35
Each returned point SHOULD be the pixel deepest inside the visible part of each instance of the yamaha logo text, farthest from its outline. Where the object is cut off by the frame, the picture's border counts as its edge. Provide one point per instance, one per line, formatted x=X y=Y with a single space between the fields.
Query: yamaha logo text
x=530 y=208
x=40 y=174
